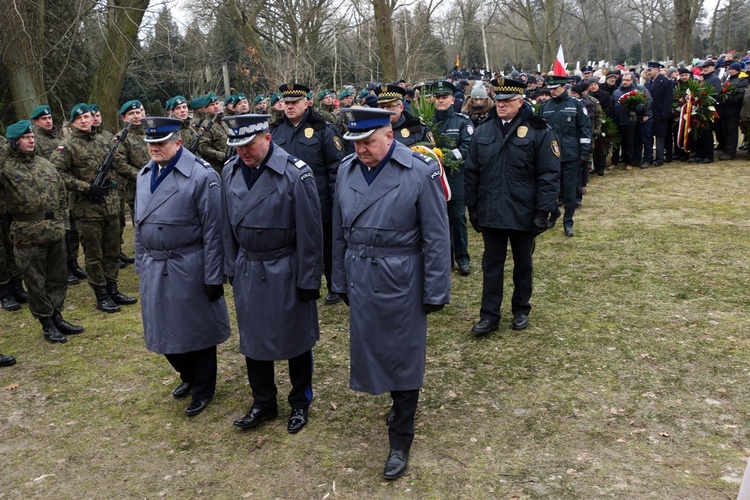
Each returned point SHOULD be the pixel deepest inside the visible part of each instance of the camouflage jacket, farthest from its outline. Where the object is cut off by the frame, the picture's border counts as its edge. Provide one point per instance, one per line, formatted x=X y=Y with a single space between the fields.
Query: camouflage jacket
x=77 y=159
x=134 y=152
x=35 y=195
x=328 y=113
x=188 y=132
x=46 y=142
x=213 y=145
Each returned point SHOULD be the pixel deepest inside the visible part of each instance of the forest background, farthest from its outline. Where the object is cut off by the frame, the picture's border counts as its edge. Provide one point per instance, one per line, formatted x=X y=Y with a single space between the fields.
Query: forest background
x=62 y=52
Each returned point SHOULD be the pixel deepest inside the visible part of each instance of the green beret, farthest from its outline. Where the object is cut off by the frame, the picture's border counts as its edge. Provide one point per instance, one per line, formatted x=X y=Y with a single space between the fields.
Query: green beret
x=211 y=98
x=18 y=129
x=169 y=105
x=345 y=93
x=239 y=97
x=199 y=102
x=230 y=99
x=363 y=94
x=134 y=104
x=258 y=98
x=310 y=95
x=177 y=100
x=323 y=93
x=40 y=111
x=78 y=110
x=275 y=98
x=93 y=108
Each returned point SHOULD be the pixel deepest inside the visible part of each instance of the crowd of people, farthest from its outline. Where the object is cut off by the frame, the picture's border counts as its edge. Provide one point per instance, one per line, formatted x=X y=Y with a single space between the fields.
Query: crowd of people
x=369 y=191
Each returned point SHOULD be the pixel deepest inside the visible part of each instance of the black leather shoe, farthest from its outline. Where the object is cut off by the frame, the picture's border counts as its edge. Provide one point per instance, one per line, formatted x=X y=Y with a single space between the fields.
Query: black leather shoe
x=124 y=258
x=104 y=301
x=569 y=231
x=297 y=420
x=195 y=407
x=390 y=416
x=332 y=298
x=76 y=269
x=464 y=270
x=484 y=326
x=72 y=278
x=7 y=301
x=396 y=464
x=65 y=327
x=16 y=288
x=7 y=360
x=520 y=322
x=255 y=417
x=182 y=390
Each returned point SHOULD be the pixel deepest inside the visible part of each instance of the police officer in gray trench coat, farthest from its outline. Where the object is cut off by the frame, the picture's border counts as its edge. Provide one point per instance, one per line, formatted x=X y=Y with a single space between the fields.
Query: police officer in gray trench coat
x=391 y=265
x=180 y=260
x=273 y=246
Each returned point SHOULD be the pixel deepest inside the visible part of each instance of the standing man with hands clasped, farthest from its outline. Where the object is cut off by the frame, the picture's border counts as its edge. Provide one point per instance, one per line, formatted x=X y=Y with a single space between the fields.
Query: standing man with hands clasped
x=180 y=260
x=391 y=265
x=273 y=254
x=512 y=183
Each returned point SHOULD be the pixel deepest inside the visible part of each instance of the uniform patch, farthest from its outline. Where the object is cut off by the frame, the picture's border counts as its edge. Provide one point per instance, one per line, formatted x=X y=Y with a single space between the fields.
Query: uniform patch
x=337 y=142
x=435 y=174
x=470 y=129
x=555 y=147
x=213 y=184
x=306 y=175
x=405 y=133
x=522 y=131
x=309 y=132
x=298 y=163
x=585 y=111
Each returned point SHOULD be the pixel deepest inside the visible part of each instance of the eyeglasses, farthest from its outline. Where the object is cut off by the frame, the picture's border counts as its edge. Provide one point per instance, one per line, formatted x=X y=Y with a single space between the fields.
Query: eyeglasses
x=393 y=105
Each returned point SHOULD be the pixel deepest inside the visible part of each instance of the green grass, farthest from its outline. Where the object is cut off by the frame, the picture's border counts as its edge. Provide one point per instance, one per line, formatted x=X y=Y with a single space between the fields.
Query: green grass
x=631 y=381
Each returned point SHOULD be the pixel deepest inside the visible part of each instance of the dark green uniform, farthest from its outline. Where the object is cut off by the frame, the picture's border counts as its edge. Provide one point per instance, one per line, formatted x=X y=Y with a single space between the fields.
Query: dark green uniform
x=46 y=142
x=133 y=152
x=213 y=145
x=36 y=199
x=77 y=159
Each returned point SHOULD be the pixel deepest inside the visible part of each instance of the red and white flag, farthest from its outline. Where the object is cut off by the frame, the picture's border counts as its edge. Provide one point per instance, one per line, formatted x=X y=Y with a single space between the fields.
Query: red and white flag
x=559 y=68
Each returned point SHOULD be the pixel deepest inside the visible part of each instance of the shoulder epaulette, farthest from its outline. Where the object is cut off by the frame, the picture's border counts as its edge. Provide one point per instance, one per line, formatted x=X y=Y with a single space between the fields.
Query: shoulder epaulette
x=297 y=162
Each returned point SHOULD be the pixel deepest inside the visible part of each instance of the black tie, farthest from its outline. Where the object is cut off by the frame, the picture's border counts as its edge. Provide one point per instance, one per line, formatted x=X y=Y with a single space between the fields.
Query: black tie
x=506 y=128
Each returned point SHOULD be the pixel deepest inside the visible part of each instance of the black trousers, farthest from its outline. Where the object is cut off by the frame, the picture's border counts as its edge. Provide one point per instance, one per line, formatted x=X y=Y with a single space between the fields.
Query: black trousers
x=260 y=376
x=401 y=430
x=493 y=263
x=731 y=132
x=328 y=252
x=197 y=368
x=458 y=233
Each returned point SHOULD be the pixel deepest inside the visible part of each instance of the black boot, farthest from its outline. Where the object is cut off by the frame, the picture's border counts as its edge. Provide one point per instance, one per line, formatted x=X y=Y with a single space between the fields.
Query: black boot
x=76 y=269
x=65 y=327
x=51 y=333
x=72 y=278
x=104 y=301
x=117 y=297
x=124 y=258
x=16 y=288
x=7 y=301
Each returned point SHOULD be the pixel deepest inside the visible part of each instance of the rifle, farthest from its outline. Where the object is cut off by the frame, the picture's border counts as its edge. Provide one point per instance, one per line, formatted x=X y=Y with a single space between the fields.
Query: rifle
x=101 y=174
x=193 y=147
x=230 y=152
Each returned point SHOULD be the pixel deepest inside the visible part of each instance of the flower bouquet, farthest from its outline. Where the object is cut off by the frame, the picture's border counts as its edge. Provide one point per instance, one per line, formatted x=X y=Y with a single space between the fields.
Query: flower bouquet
x=608 y=140
x=631 y=100
x=726 y=91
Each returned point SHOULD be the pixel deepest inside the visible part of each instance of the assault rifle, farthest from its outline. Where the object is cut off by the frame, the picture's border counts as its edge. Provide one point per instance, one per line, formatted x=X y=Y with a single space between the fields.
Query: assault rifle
x=194 y=146
x=101 y=174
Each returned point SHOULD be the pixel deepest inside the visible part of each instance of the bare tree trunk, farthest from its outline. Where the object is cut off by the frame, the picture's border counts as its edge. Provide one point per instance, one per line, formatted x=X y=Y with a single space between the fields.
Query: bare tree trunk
x=686 y=12
x=712 y=35
x=22 y=45
x=383 y=10
x=123 y=21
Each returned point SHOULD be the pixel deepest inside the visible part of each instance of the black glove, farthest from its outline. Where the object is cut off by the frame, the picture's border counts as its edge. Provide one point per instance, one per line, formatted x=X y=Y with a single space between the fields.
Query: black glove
x=540 y=222
x=215 y=292
x=431 y=308
x=345 y=298
x=308 y=295
x=97 y=193
x=474 y=220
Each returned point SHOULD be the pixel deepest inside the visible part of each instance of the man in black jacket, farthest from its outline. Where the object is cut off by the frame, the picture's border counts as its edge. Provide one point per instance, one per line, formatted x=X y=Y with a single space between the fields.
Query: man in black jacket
x=512 y=183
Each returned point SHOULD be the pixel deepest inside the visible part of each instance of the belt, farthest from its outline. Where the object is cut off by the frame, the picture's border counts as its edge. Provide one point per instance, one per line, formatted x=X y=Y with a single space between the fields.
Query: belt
x=365 y=251
x=174 y=254
x=34 y=217
x=271 y=255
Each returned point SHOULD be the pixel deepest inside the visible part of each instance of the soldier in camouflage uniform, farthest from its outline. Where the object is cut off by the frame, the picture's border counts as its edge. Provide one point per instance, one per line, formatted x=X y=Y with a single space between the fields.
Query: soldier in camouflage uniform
x=229 y=103
x=326 y=106
x=213 y=145
x=178 y=106
x=133 y=152
x=96 y=208
x=277 y=107
x=37 y=200
x=346 y=100
x=45 y=135
x=12 y=294
x=242 y=105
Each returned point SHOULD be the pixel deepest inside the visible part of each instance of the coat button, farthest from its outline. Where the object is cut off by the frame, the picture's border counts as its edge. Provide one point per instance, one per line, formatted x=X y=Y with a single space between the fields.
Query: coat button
x=376 y=290
x=352 y=230
x=160 y=228
x=259 y=231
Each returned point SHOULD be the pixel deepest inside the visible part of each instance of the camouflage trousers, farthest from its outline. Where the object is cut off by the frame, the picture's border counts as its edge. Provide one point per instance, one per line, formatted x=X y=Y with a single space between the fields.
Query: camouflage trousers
x=43 y=269
x=8 y=268
x=127 y=196
x=100 y=240
x=74 y=242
